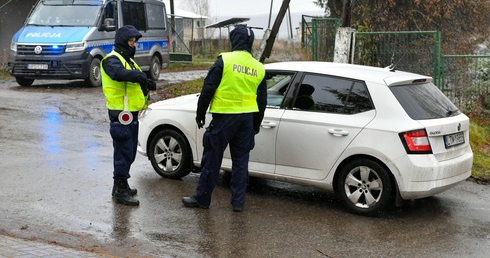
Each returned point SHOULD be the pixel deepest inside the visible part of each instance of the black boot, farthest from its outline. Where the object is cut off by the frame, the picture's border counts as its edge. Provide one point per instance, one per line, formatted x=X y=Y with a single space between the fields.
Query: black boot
x=132 y=191
x=122 y=193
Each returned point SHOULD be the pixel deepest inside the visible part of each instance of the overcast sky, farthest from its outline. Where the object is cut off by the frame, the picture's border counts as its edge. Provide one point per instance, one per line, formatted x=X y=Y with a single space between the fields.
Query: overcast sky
x=254 y=7
x=257 y=10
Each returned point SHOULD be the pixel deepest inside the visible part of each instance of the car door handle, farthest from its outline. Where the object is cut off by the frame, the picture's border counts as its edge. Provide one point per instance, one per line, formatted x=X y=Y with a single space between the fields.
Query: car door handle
x=268 y=125
x=338 y=132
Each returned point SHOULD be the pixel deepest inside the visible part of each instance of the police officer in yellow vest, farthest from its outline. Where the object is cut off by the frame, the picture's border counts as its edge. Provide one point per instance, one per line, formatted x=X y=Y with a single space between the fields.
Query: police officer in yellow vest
x=236 y=93
x=126 y=88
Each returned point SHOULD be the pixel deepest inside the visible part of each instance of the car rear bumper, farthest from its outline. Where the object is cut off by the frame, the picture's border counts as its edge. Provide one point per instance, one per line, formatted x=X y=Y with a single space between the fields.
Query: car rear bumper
x=423 y=176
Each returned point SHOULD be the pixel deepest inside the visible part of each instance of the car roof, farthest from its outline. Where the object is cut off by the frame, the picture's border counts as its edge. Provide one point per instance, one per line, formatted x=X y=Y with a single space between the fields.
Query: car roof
x=358 y=72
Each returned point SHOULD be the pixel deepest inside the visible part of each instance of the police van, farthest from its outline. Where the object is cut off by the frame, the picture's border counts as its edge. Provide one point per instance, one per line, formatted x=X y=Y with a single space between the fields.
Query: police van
x=67 y=39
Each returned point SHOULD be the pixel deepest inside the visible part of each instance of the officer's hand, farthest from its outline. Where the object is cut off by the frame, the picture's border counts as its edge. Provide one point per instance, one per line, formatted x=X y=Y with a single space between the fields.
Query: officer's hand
x=200 y=122
x=144 y=88
x=256 y=126
x=151 y=84
x=256 y=129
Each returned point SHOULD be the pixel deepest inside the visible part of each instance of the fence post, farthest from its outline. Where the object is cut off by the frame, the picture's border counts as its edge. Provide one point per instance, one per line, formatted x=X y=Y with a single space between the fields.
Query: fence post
x=343 y=39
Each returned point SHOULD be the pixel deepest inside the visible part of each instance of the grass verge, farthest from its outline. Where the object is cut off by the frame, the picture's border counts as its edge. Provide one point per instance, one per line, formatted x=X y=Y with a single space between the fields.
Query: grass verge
x=480 y=143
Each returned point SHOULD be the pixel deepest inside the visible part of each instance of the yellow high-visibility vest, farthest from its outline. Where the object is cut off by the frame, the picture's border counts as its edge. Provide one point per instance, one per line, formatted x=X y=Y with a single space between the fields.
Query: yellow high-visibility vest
x=237 y=91
x=114 y=90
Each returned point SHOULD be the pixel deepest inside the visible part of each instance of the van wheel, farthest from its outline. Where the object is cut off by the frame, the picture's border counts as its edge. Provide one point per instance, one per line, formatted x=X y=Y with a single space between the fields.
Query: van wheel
x=23 y=81
x=155 y=67
x=94 y=78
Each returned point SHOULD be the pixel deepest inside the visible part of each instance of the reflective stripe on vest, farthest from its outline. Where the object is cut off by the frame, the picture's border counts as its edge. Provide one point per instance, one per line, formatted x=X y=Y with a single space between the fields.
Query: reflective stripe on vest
x=237 y=91
x=114 y=90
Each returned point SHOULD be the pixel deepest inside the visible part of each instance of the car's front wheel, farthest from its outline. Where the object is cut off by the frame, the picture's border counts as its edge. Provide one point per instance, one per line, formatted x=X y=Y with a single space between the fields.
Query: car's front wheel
x=24 y=82
x=170 y=154
x=94 y=77
x=365 y=187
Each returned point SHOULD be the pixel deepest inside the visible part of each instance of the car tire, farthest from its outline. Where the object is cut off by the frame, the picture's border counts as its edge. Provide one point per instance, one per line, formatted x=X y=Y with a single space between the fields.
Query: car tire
x=155 y=68
x=24 y=82
x=365 y=187
x=94 y=77
x=170 y=155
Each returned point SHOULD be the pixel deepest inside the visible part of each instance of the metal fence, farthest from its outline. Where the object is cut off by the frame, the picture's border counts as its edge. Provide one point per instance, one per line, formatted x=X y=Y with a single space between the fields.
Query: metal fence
x=318 y=36
x=466 y=81
x=417 y=52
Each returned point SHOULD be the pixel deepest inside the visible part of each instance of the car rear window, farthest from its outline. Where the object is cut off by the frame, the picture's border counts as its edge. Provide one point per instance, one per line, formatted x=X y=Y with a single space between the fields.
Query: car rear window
x=424 y=101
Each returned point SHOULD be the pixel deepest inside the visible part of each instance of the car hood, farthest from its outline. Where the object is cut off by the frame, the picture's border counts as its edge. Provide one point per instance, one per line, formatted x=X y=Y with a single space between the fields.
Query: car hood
x=187 y=102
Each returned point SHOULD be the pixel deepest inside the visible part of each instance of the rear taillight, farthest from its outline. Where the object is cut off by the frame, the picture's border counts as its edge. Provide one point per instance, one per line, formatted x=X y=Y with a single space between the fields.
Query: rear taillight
x=416 y=142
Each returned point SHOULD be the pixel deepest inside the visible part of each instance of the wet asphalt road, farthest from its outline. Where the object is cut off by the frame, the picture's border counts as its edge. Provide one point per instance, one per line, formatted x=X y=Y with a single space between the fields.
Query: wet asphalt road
x=56 y=180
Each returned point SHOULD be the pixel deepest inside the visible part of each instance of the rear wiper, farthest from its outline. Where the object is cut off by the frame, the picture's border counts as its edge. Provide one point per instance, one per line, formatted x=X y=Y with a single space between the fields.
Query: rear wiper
x=450 y=112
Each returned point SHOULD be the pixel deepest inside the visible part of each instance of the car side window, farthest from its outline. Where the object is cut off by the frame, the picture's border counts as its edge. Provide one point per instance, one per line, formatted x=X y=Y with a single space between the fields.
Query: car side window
x=277 y=86
x=320 y=93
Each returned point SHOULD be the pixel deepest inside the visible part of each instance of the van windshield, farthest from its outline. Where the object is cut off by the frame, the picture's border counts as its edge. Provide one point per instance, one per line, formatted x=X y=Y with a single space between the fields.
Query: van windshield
x=64 y=15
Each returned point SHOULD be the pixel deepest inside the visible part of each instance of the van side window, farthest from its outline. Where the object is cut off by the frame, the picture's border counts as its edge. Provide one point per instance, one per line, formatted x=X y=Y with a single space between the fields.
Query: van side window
x=110 y=12
x=156 y=16
x=134 y=14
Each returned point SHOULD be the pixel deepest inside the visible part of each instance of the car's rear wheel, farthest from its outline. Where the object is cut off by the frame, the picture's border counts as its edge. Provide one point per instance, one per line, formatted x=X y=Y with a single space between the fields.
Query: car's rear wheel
x=24 y=82
x=365 y=187
x=170 y=154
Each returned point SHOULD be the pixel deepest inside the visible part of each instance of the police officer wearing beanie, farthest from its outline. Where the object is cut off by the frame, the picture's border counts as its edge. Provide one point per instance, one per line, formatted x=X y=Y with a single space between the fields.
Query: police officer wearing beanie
x=126 y=88
x=235 y=91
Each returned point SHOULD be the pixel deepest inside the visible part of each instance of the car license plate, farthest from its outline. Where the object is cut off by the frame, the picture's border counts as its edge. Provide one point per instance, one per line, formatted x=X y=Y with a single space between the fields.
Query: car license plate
x=37 y=66
x=454 y=139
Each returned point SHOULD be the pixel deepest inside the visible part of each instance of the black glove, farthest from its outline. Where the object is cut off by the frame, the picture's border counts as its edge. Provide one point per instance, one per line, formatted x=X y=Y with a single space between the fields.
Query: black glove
x=151 y=84
x=257 y=122
x=256 y=129
x=200 y=121
x=144 y=88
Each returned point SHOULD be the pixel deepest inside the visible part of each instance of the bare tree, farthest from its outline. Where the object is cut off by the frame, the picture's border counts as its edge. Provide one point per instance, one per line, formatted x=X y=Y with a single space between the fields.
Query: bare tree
x=200 y=7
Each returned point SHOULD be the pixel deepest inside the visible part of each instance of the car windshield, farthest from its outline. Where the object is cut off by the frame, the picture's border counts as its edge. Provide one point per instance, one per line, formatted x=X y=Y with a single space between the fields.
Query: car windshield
x=277 y=84
x=64 y=15
x=424 y=101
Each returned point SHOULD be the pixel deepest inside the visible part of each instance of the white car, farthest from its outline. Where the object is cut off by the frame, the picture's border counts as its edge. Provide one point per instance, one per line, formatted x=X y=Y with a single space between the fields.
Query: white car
x=374 y=136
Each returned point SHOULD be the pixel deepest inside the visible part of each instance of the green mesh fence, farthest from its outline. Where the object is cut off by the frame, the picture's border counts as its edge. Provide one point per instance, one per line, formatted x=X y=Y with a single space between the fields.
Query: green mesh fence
x=466 y=81
x=318 y=36
x=417 y=52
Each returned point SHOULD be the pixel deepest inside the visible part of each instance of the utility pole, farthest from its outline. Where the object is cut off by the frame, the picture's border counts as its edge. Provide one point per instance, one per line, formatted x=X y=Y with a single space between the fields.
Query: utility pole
x=172 y=23
x=346 y=13
x=273 y=33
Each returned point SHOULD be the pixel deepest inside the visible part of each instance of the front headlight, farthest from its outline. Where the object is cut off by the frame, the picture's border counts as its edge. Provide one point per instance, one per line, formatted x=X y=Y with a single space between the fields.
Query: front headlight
x=13 y=46
x=75 y=47
x=143 y=113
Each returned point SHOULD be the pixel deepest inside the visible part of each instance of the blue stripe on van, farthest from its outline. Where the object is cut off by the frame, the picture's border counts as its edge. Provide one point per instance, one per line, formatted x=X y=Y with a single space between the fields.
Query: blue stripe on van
x=142 y=46
x=146 y=45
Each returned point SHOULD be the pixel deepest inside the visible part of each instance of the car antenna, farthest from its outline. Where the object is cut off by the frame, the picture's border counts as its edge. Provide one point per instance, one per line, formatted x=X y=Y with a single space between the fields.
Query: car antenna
x=392 y=66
